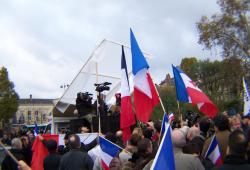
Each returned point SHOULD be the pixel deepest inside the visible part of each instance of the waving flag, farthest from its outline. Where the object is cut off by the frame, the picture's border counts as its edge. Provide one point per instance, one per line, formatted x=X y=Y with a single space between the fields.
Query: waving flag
x=127 y=117
x=246 y=99
x=164 y=158
x=109 y=151
x=36 y=131
x=145 y=95
x=187 y=91
x=213 y=152
x=40 y=151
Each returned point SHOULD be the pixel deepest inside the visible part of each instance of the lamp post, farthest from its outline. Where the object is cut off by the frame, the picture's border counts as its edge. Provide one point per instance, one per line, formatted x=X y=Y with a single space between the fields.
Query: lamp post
x=64 y=86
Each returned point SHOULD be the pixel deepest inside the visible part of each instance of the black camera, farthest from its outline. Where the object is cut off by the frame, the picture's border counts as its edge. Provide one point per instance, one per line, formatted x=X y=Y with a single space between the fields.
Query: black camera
x=83 y=102
x=102 y=87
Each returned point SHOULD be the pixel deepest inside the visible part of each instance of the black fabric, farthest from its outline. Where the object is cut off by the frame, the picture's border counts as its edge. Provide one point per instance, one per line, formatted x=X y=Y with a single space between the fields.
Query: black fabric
x=234 y=162
x=52 y=161
x=76 y=160
x=27 y=152
x=8 y=163
x=89 y=146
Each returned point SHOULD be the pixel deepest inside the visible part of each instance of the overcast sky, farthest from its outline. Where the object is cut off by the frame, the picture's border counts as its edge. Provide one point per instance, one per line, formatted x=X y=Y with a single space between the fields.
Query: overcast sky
x=44 y=43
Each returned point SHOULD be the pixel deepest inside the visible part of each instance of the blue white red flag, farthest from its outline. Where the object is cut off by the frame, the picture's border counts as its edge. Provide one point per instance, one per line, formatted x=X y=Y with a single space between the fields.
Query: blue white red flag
x=165 y=120
x=187 y=91
x=164 y=158
x=246 y=99
x=213 y=152
x=36 y=130
x=127 y=117
x=109 y=151
x=145 y=95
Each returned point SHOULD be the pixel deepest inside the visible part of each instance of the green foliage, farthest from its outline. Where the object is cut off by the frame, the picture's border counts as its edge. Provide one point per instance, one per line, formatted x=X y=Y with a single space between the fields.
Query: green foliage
x=8 y=96
x=229 y=30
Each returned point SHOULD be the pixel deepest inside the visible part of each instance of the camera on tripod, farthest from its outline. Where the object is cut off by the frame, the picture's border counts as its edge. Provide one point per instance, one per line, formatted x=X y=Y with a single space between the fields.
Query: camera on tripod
x=102 y=86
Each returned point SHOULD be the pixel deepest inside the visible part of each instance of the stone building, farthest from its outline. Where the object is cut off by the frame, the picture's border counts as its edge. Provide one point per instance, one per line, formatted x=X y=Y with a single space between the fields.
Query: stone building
x=33 y=110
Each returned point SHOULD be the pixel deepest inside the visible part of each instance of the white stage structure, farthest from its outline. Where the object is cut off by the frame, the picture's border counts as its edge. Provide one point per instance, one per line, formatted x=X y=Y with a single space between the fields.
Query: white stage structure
x=103 y=65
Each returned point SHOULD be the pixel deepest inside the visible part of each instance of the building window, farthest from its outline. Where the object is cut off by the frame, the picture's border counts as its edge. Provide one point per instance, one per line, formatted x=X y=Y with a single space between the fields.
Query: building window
x=29 y=115
x=21 y=118
x=36 y=116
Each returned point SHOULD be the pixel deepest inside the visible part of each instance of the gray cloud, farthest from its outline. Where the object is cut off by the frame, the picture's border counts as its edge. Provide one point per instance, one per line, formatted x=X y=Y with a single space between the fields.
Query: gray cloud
x=44 y=43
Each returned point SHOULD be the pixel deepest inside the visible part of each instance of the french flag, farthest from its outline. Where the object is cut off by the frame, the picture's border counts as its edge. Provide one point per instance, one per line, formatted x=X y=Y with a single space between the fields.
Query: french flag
x=36 y=131
x=213 y=152
x=164 y=158
x=165 y=120
x=108 y=151
x=145 y=95
x=127 y=117
x=187 y=91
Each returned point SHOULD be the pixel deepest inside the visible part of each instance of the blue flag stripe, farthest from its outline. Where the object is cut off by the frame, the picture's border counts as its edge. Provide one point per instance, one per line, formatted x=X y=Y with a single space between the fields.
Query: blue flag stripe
x=165 y=120
x=181 y=92
x=138 y=60
x=124 y=64
x=165 y=157
x=212 y=146
x=108 y=147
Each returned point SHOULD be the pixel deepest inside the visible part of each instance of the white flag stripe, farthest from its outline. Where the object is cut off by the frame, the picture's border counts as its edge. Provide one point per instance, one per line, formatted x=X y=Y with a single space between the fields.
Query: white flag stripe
x=106 y=158
x=141 y=82
x=246 y=110
x=214 y=155
x=124 y=84
x=86 y=138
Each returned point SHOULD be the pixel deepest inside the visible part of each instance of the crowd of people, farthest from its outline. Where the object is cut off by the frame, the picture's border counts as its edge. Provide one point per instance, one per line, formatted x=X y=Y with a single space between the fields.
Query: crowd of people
x=190 y=144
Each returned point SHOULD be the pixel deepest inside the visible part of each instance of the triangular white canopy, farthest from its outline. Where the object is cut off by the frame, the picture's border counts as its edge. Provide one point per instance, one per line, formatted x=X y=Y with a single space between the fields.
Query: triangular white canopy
x=103 y=65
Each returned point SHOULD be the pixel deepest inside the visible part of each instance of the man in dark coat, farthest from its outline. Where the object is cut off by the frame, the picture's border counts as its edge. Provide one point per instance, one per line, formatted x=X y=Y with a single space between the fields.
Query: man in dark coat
x=52 y=161
x=236 y=158
x=75 y=159
x=8 y=163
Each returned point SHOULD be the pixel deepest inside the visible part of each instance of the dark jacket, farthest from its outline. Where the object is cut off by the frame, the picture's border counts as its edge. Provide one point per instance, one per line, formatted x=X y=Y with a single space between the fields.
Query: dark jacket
x=8 y=163
x=77 y=160
x=233 y=162
x=52 y=161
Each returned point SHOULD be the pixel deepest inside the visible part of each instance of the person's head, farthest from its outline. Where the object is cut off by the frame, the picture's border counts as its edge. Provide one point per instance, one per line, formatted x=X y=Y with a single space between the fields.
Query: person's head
x=138 y=131
x=191 y=148
x=74 y=141
x=118 y=134
x=16 y=143
x=148 y=133
x=84 y=129
x=51 y=145
x=235 y=123
x=5 y=136
x=178 y=139
x=31 y=136
x=204 y=125
x=221 y=123
x=25 y=141
x=144 y=147
x=237 y=143
x=66 y=137
x=193 y=132
x=157 y=126
x=134 y=139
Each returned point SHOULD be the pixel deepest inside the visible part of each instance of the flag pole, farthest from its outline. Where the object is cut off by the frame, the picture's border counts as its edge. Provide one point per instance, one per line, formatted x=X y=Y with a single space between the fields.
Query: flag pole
x=163 y=108
x=179 y=110
x=9 y=153
x=97 y=103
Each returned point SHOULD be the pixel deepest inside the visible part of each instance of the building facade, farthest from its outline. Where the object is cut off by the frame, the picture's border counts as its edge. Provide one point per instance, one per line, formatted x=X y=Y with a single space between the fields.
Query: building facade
x=34 y=110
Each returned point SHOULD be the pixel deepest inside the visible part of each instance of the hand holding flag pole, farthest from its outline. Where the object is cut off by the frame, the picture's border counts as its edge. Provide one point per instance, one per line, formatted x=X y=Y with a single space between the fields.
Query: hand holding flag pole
x=9 y=153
